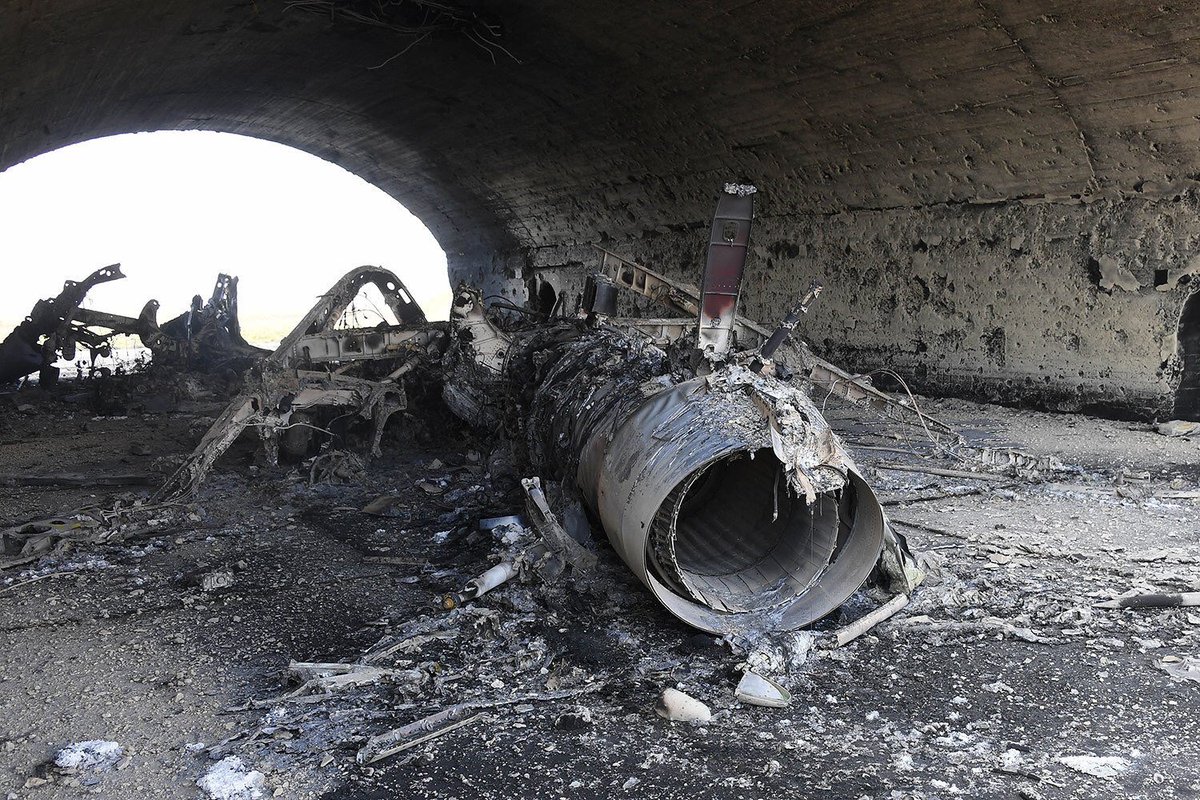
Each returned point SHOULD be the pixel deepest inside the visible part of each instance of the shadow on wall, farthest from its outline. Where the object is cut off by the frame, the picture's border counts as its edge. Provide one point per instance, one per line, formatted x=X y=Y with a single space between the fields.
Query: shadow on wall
x=1187 y=397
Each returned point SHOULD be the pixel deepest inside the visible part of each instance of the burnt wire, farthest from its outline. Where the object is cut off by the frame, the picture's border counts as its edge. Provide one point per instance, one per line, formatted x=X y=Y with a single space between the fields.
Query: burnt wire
x=353 y=314
x=508 y=305
x=418 y=18
x=291 y=425
x=916 y=407
x=504 y=302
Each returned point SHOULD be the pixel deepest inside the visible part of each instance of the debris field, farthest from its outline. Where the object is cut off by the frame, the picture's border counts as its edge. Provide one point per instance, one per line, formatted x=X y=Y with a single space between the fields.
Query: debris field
x=997 y=675
x=575 y=553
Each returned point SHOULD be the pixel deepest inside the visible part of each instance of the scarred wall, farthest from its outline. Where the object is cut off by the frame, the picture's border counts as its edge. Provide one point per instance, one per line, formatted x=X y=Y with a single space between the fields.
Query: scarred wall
x=1009 y=302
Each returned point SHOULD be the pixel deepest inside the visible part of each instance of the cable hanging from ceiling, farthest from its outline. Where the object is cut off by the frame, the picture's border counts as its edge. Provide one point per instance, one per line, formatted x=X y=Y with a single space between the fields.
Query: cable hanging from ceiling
x=417 y=18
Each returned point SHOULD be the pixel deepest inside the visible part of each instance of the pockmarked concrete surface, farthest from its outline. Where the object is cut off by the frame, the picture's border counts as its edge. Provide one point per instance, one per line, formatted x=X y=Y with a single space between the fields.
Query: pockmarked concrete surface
x=1000 y=679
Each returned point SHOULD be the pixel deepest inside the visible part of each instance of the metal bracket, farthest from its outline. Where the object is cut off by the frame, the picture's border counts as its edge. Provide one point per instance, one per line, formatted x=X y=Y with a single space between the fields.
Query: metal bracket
x=728 y=246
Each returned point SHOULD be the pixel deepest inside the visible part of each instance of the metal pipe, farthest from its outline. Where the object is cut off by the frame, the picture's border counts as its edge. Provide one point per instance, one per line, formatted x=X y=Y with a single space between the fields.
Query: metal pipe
x=480 y=585
x=684 y=478
x=790 y=321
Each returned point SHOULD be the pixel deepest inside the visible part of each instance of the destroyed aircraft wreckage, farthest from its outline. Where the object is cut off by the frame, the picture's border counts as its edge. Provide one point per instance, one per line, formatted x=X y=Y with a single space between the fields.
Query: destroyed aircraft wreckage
x=694 y=441
x=320 y=372
x=723 y=489
x=206 y=337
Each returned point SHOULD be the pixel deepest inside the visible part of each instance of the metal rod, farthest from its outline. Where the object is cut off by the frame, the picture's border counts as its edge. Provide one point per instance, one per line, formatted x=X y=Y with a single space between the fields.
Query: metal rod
x=792 y=319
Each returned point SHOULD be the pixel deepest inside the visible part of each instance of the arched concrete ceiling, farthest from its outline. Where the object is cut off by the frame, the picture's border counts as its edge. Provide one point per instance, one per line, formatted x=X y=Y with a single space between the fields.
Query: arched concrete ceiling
x=639 y=109
x=607 y=121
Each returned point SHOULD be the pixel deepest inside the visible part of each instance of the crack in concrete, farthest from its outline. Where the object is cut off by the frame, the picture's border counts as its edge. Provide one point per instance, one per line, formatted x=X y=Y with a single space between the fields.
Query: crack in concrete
x=1052 y=85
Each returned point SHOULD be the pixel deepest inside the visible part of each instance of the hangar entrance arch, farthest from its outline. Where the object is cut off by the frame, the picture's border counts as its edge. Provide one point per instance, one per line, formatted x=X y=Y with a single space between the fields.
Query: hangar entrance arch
x=177 y=208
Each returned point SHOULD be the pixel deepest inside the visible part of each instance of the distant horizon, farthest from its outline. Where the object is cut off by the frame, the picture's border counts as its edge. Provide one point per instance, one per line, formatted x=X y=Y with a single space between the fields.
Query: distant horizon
x=176 y=208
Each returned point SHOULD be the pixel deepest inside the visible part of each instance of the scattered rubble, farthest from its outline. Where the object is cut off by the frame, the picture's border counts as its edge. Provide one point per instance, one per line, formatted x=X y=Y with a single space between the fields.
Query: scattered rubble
x=1154 y=600
x=1178 y=427
x=759 y=691
x=212 y=581
x=1098 y=766
x=423 y=730
x=422 y=617
x=676 y=706
x=231 y=779
x=1181 y=669
x=869 y=620
x=95 y=755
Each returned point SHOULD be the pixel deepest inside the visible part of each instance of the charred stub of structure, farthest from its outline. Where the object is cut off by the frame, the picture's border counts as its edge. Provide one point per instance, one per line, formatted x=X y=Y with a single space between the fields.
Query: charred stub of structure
x=208 y=336
x=727 y=494
x=475 y=385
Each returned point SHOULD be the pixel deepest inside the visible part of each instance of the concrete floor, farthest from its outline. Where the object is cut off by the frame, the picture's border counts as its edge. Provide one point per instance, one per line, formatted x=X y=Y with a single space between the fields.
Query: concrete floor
x=998 y=672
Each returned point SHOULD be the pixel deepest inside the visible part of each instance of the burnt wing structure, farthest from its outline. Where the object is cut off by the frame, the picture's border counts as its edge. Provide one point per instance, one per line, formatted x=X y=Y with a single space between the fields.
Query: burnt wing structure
x=54 y=326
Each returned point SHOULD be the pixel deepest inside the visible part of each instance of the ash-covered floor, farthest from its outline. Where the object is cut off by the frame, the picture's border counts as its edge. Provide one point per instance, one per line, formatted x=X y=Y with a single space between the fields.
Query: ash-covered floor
x=1000 y=679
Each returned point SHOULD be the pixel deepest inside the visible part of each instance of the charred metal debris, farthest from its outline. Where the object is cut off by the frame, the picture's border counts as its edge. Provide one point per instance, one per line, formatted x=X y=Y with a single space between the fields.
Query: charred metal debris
x=321 y=375
x=696 y=440
x=206 y=338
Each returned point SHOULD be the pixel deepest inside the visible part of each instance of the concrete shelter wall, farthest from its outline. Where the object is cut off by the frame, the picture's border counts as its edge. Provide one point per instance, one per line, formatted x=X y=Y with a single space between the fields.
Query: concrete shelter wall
x=1065 y=305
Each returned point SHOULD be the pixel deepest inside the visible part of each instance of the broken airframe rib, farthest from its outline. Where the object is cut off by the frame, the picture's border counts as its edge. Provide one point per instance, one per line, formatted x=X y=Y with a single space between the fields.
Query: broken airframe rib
x=356 y=370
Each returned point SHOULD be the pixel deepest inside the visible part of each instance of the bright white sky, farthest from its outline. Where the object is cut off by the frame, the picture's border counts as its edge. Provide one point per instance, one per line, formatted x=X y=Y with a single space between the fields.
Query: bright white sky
x=176 y=208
